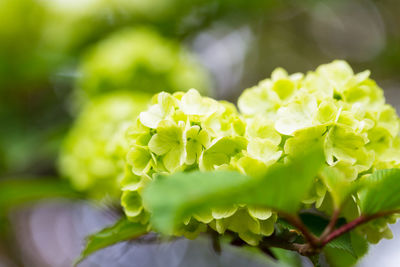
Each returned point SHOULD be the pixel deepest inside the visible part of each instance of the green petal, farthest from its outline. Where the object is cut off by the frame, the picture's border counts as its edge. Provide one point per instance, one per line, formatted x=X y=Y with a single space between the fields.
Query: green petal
x=380 y=139
x=305 y=138
x=252 y=167
x=327 y=112
x=152 y=116
x=284 y=88
x=223 y=212
x=259 y=127
x=242 y=222
x=168 y=137
x=257 y=100
x=220 y=151
x=343 y=144
x=140 y=159
x=297 y=115
x=263 y=150
x=164 y=105
x=192 y=103
x=174 y=158
x=259 y=212
x=196 y=140
x=338 y=73
x=204 y=216
x=131 y=201
x=267 y=227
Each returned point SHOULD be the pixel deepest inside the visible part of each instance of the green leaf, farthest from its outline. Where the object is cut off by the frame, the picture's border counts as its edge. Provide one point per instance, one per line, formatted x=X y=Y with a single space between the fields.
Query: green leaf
x=317 y=224
x=288 y=257
x=14 y=192
x=121 y=231
x=173 y=198
x=338 y=186
x=336 y=258
x=380 y=192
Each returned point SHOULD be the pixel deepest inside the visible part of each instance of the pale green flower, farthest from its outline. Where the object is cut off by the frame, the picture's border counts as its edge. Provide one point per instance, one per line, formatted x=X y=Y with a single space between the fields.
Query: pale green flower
x=296 y=115
x=141 y=159
x=169 y=142
x=258 y=100
x=221 y=151
x=164 y=106
x=197 y=140
x=261 y=127
x=192 y=103
x=264 y=150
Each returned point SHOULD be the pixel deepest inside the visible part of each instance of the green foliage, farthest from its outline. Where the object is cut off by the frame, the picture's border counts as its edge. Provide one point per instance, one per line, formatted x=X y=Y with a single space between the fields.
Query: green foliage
x=289 y=258
x=172 y=199
x=337 y=257
x=340 y=188
x=380 y=192
x=121 y=231
x=316 y=224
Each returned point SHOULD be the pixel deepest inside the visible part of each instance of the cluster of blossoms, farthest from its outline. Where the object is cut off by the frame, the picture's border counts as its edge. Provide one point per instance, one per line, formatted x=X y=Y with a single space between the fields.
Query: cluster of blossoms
x=117 y=76
x=184 y=132
x=346 y=111
x=278 y=118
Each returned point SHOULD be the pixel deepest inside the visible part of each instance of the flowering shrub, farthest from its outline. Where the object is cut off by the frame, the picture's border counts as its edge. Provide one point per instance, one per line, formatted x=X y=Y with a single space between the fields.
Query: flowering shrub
x=282 y=116
x=324 y=143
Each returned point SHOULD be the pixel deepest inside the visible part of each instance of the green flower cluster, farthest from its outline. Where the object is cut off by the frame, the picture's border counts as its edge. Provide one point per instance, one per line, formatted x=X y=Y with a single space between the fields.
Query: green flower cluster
x=140 y=59
x=116 y=75
x=93 y=151
x=279 y=118
x=183 y=132
x=346 y=111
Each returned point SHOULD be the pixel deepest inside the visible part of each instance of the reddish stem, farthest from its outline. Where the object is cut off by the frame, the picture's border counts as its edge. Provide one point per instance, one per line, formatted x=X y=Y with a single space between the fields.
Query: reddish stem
x=331 y=226
x=296 y=222
x=353 y=224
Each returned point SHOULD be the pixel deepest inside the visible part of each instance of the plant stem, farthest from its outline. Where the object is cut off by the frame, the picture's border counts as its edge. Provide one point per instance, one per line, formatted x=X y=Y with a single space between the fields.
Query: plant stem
x=296 y=222
x=331 y=226
x=216 y=244
x=353 y=224
x=313 y=246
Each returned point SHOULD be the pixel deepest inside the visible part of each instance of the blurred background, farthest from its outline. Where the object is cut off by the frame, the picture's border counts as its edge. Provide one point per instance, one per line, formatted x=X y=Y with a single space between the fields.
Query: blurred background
x=60 y=58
